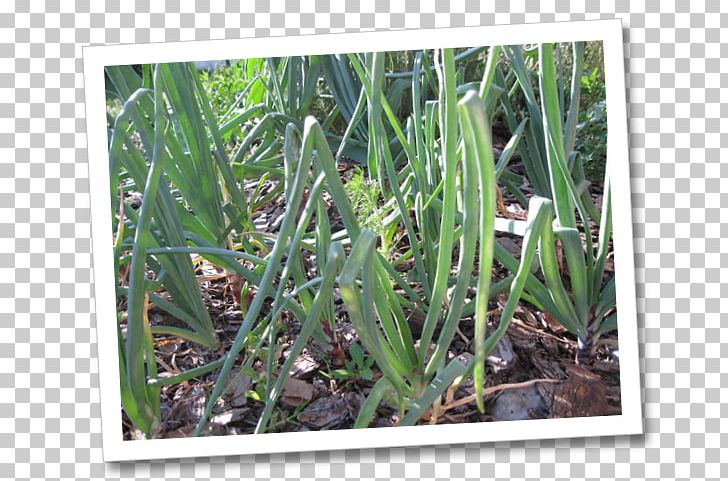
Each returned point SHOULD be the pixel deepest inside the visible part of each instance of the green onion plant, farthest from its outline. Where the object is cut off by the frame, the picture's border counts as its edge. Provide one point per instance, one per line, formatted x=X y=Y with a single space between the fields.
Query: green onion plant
x=428 y=181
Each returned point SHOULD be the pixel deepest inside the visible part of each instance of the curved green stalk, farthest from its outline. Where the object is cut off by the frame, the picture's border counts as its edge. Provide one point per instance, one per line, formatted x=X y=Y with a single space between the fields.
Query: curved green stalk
x=473 y=120
x=448 y=130
x=478 y=146
x=539 y=217
x=554 y=137
x=369 y=406
x=135 y=341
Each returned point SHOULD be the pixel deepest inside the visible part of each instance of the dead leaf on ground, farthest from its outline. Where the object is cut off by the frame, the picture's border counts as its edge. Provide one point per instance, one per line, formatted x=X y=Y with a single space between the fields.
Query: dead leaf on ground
x=296 y=392
x=517 y=212
x=236 y=388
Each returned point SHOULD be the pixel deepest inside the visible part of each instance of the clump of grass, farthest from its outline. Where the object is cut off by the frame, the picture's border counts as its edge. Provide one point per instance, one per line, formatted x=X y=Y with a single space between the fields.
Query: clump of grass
x=364 y=195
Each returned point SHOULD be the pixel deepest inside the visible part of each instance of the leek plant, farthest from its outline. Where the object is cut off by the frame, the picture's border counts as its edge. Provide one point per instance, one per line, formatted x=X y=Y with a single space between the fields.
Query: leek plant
x=585 y=305
x=593 y=300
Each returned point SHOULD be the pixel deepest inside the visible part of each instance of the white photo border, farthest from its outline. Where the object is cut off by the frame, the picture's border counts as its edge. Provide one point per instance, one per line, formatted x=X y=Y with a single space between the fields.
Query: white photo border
x=95 y=58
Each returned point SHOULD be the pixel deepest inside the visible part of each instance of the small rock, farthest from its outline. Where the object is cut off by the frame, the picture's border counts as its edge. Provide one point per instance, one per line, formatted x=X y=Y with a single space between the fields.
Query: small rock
x=518 y=404
x=502 y=357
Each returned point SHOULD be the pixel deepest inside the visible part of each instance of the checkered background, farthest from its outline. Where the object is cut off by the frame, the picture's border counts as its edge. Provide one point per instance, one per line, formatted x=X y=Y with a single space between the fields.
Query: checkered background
x=49 y=402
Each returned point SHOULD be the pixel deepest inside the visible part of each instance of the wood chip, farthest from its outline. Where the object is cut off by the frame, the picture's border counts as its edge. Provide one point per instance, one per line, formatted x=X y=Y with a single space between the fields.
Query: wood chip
x=522 y=337
x=304 y=365
x=547 y=367
x=230 y=416
x=604 y=366
x=325 y=413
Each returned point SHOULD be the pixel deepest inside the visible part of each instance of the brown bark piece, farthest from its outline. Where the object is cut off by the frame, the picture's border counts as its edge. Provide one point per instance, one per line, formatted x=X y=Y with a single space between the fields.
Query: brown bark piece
x=582 y=394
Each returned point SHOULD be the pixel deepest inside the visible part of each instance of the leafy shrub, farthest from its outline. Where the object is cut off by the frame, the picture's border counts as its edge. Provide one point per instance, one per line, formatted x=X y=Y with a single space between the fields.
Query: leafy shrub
x=591 y=138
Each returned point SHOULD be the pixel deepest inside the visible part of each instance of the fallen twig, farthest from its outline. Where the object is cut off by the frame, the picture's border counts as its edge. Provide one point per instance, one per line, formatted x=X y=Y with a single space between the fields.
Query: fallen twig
x=491 y=390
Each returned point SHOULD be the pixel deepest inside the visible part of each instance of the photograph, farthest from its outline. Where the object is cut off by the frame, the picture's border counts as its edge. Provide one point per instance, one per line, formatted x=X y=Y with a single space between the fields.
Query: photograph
x=368 y=234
